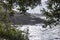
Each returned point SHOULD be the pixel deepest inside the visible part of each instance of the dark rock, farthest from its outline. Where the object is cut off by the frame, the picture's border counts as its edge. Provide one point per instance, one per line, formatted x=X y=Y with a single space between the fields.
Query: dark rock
x=24 y=19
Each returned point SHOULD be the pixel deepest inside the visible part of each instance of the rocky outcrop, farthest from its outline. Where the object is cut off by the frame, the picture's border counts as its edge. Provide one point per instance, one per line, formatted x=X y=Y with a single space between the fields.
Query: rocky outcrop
x=27 y=19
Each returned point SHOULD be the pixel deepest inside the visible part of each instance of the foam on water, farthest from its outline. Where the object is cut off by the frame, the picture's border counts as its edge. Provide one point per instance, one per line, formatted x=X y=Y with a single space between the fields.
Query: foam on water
x=36 y=32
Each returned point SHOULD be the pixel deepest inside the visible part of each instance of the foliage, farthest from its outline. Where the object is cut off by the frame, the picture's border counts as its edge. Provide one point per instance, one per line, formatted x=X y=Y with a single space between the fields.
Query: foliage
x=23 y=4
x=10 y=33
x=6 y=6
x=53 y=13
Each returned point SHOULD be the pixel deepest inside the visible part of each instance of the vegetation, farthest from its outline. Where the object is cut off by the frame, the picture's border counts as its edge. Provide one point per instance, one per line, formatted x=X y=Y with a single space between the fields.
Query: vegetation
x=53 y=13
x=7 y=31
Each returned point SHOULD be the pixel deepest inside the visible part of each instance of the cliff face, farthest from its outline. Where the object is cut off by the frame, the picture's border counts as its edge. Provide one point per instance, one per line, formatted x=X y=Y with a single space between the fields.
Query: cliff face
x=25 y=19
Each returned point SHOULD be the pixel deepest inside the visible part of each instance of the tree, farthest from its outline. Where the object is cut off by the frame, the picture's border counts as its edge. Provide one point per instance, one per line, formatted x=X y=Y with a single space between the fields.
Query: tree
x=53 y=13
x=7 y=31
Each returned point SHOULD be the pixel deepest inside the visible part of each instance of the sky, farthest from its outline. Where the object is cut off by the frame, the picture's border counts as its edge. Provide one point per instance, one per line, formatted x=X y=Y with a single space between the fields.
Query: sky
x=38 y=8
